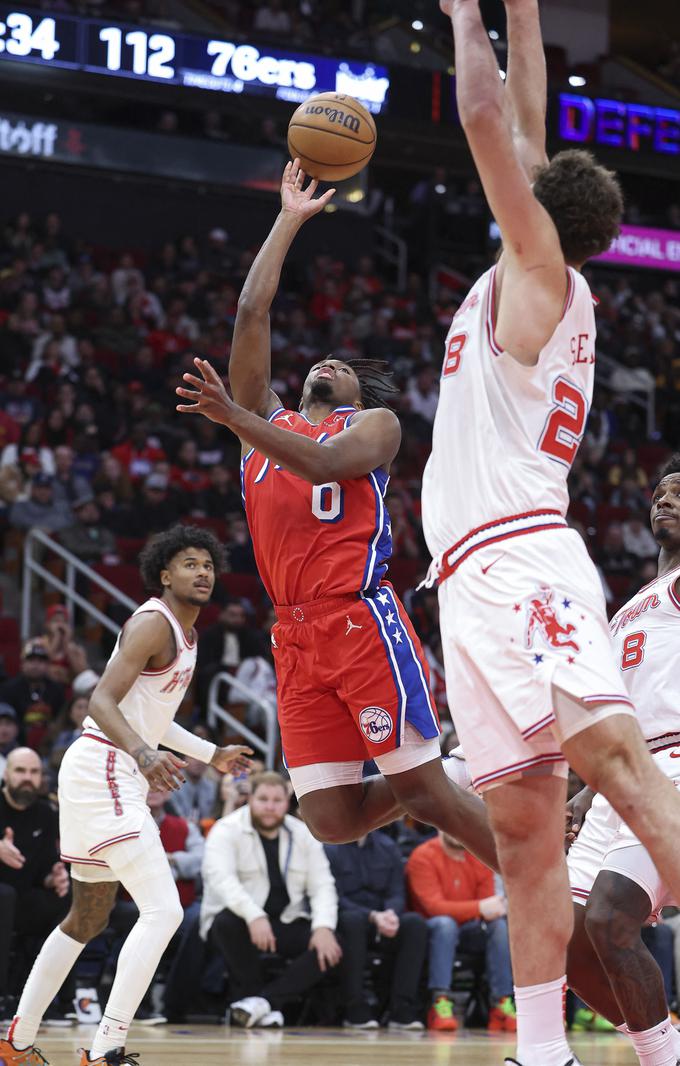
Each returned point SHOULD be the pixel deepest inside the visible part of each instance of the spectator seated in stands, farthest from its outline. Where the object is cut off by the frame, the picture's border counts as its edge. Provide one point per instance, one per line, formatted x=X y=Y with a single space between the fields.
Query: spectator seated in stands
x=268 y=890
x=638 y=539
x=35 y=698
x=372 y=917
x=65 y=485
x=40 y=510
x=195 y=798
x=34 y=884
x=455 y=892
x=67 y=656
x=614 y=558
x=153 y=509
x=9 y=734
x=87 y=538
x=225 y=645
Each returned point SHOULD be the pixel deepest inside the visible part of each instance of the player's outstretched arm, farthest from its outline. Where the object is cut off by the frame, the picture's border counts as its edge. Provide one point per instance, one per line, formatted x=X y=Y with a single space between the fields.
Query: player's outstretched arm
x=145 y=636
x=526 y=85
x=250 y=359
x=370 y=442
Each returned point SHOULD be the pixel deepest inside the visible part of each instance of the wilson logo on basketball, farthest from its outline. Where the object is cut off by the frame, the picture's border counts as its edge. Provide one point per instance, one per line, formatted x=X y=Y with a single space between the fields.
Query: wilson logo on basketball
x=340 y=118
x=376 y=724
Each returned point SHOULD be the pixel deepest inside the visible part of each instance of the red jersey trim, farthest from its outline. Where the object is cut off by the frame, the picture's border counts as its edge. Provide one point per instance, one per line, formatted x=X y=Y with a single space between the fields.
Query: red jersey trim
x=188 y=643
x=113 y=840
x=100 y=740
x=518 y=767
x=673 y=596
x=608 y=697
x=83 y=862
x=450 y=565
x=491 y=309
x=539 y=725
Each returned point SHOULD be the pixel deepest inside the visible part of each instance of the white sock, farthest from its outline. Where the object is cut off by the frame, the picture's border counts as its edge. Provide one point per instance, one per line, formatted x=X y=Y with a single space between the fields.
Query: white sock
x=541 y=1039
x=142 y=868
x=655 y=1047
x=51 y=968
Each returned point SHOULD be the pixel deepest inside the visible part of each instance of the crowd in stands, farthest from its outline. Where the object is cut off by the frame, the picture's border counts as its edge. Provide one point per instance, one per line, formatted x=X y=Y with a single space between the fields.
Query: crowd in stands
x=92 y=452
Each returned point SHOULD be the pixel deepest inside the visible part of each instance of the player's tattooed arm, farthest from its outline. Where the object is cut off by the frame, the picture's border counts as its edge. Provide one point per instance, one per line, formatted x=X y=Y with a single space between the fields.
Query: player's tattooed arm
x=145 y=638
x=250 y=358
x=371 y=441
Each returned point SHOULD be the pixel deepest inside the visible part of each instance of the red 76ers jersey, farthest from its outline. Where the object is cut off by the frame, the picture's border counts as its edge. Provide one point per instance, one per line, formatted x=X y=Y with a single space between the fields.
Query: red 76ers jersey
x=505 y=435
x=314 y=541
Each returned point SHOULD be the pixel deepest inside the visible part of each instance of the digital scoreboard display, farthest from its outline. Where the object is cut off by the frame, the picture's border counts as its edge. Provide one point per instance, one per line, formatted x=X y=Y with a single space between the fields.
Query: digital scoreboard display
x=119 y=50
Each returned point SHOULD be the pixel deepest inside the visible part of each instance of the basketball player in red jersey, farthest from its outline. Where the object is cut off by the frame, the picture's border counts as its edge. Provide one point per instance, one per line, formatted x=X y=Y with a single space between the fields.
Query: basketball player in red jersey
x=352 y=679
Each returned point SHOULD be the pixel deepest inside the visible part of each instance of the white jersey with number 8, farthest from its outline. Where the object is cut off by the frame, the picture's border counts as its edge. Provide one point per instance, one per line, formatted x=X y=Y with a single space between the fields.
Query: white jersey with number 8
x=505 y=435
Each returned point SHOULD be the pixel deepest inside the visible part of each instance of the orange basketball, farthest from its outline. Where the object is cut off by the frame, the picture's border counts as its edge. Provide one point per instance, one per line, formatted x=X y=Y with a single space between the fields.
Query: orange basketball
x=332 y=135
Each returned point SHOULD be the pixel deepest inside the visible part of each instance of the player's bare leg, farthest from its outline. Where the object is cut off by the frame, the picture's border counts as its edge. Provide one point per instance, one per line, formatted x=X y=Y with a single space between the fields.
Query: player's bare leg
x=532 y=862
x=586 y=975
x=611 y=756
x=344 y=813
x=88 y=916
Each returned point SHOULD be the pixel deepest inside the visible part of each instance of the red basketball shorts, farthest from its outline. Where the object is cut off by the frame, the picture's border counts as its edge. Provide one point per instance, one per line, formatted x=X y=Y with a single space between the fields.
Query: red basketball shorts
x=350 y=674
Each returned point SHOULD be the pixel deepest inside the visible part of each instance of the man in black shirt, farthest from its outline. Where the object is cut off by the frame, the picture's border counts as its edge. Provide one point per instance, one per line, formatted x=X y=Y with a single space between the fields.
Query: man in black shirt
x=35 y=698
x=267 y=889
x=34 y=884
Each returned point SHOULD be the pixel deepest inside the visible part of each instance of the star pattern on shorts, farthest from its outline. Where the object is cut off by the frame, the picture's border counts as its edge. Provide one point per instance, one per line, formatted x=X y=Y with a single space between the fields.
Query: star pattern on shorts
x=571 y=659
x=382 y=597
x=396 y=637
x=388 y=527
x=390 y=618
x=538 y=659
x=566 y=603
x=517 y=608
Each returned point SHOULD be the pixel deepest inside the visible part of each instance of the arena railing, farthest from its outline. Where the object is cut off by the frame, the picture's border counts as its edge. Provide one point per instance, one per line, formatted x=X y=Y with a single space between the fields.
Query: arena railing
x=216 y=712
x=37 y=544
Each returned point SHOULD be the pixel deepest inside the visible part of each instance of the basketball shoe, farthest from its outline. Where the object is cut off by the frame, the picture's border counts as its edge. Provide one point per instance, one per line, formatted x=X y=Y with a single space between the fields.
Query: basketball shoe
x=440 y=1016
x=117 y=1057
x=28 y=1056
x=503 y=1017
x=573 y=1061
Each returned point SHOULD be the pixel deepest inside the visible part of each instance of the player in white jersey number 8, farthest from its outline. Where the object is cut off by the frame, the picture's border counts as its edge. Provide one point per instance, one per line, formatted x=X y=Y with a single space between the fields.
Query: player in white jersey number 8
x=530 y=672
x=106 y=829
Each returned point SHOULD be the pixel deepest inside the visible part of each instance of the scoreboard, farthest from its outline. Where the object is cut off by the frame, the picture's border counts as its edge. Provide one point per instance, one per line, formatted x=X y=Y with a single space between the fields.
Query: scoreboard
x=156 y=55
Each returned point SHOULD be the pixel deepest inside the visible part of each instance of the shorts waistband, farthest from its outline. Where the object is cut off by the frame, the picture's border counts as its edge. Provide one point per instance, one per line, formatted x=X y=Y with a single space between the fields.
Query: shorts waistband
x=95 y=736
x=493 y=532
x=303 y=612
x=666 y=740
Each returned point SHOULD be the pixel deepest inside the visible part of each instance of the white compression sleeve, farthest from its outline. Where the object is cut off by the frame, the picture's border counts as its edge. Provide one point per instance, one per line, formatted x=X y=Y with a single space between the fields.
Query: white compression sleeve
x=50 y=969
x=180 y=739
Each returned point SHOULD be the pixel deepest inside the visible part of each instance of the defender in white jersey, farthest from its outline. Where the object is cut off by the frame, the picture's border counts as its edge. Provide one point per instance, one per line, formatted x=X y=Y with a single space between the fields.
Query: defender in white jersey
x=530 y=673
x=107 y=832
x=615 y=885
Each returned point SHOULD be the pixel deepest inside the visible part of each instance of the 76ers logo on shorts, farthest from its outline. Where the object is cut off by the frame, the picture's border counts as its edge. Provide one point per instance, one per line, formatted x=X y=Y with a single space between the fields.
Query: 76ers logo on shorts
x=376 y=724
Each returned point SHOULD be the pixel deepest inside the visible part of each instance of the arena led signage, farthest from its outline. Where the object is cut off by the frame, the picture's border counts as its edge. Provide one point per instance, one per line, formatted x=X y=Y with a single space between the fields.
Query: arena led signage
x=639 y=246
x=180 y=59
x=614 y=124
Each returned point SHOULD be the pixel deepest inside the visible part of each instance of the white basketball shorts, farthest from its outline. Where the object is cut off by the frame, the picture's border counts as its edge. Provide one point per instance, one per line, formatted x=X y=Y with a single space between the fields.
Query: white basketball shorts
x=528 y=656
x=102 y=802
x=606 y=843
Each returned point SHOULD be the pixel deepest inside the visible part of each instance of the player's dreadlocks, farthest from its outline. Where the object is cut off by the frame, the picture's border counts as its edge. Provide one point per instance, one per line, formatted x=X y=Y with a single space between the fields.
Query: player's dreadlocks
x=375 y=381
x=671 y=467
x=156 y=555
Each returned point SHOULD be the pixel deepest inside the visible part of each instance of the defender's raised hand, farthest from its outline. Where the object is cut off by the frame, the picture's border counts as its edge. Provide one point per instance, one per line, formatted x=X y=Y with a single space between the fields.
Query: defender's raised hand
x=298 y=201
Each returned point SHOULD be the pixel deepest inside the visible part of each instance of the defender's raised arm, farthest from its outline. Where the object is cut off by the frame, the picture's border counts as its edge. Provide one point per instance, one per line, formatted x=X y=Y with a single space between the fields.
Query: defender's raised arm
x=250 y=359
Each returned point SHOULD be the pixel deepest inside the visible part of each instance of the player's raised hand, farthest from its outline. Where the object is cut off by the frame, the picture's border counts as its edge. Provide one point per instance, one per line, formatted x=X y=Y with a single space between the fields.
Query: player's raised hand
x=298 y=201
x=209 y=396
x=9 y=852
x=232 y=759
x=162 y=769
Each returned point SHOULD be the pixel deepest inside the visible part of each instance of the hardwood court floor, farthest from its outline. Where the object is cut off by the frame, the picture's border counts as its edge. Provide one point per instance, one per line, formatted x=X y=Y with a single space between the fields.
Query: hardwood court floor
x=207 y=1045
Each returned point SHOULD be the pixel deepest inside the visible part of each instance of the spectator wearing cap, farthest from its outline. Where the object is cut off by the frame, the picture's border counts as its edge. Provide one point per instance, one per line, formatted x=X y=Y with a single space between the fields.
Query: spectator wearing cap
x=33 y=695
x=9 y=733
x=87 y=538
x=40 y=510
x=67 y=656
x=34 y=884
x=29 y=452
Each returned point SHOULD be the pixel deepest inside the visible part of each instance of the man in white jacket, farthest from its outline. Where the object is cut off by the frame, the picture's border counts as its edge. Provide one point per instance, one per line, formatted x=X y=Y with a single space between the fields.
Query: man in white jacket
x=267 y=887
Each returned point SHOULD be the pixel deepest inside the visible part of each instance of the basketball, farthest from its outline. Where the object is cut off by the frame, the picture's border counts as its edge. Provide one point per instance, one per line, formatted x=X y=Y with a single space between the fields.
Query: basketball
x=332 y=135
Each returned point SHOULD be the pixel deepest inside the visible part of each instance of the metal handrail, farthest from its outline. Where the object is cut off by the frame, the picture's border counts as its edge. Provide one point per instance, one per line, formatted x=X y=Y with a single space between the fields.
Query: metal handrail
x=268 y=746
x=32 y=567
x=73 y=566
x=394 y=251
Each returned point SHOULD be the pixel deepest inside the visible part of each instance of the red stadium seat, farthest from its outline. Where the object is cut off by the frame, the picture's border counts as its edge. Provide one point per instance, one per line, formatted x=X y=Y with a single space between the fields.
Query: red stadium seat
x=129 y=548
x=246 y=585
x=9 y=630
x=605 y=514
x=125 y=577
